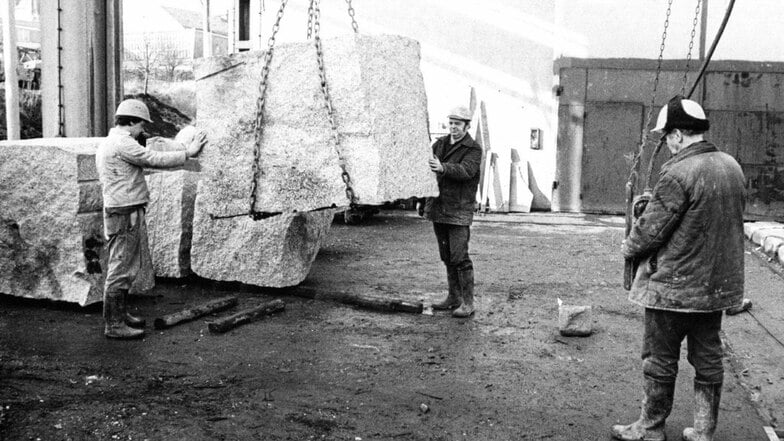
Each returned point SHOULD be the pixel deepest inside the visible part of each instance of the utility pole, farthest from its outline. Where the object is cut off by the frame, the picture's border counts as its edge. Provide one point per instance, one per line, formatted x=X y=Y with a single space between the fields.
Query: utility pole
x=703 y=31
x=10 y=59
x=207 y=35
x=703 y=28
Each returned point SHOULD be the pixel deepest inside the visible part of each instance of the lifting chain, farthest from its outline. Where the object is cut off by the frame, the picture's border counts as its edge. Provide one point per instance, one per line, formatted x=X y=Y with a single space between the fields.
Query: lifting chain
x=649 y=114
x=314 y=20
x=691 y=45
x=354 y=24
x=259 y=127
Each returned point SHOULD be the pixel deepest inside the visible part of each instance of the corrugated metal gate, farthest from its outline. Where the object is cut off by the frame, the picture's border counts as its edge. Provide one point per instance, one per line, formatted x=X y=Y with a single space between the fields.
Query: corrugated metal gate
x=602 y=105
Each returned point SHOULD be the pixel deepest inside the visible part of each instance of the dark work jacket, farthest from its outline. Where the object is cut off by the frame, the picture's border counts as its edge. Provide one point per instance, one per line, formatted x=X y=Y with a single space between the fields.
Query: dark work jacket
x=690 y=237
x=457 y=184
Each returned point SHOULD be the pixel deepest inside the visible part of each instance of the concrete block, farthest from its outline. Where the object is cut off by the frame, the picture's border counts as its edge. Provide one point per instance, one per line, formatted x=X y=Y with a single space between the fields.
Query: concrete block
x=52 y=243
x=273 y=252
x=750 y=227
x=574 y=321
x=380 y=107
x=170 y=221
x=771 y=244
x=759 y=235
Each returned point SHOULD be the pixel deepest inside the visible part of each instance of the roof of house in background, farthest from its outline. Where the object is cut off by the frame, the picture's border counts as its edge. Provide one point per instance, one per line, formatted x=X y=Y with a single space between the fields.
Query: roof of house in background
x=193 y=20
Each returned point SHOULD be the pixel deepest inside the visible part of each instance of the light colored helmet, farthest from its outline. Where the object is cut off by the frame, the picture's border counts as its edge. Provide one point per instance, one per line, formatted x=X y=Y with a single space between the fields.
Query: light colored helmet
x=681 y=113
x=132 y=107
x=460 y=112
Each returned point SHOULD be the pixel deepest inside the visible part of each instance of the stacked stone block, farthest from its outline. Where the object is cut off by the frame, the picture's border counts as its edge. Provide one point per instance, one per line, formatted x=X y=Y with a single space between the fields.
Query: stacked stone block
x=51 y=236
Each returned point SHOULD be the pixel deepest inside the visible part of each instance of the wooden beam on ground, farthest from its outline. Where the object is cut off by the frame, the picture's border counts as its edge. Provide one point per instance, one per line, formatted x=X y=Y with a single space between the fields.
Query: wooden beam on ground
x=203 y=309
x=247 y=316
x=360 y=301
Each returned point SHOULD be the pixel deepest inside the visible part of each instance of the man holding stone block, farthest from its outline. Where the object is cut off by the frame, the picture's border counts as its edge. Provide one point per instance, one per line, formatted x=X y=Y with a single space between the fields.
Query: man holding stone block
x=455 y=161
x=120 y=160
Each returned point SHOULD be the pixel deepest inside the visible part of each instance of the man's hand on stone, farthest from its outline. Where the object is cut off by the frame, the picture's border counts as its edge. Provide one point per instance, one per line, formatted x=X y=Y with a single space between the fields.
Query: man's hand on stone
x=435 y=165
x=195 y=146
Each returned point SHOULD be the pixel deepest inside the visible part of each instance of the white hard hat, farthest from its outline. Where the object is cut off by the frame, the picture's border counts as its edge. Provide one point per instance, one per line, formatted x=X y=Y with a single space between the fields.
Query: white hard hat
x=132 y=107
x=460 y=112
x=681 y=113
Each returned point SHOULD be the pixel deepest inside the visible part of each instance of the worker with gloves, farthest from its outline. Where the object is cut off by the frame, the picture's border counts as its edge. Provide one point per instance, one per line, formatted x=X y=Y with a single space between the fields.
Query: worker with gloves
x=121 y=160
x=456 y=160
x=689 y=242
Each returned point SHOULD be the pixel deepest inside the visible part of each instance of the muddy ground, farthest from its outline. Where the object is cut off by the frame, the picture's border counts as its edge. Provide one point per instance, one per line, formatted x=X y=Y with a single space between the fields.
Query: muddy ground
x=322 y=370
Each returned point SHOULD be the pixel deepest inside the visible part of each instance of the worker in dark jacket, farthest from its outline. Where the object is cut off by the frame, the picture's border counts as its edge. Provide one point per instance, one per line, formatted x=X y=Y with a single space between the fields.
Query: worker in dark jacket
x=455 y=161
x=689 y=242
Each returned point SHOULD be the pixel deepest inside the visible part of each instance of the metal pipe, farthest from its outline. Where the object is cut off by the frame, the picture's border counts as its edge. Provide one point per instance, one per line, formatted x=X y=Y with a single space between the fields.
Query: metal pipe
x=11 y=60
x=712 y=48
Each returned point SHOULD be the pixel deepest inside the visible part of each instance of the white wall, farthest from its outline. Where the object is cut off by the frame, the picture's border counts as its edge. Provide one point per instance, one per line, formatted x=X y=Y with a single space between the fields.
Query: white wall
x=633 y=28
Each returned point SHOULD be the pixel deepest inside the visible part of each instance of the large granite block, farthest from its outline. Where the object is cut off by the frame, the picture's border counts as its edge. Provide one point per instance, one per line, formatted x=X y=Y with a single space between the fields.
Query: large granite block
x=273 y=252
x=170 y=221
x=51 y=241
x=379 y=99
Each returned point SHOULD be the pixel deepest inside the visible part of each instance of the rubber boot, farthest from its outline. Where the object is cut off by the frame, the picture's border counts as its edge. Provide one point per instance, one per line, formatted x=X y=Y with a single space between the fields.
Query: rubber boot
x=452 y=300
x=706 y=412
x=131 y=320
x=114 y=317
x=656 y=407
x=466 y=279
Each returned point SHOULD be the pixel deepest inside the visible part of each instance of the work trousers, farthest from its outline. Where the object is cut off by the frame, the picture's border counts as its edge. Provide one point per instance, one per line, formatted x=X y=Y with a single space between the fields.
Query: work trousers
x=126 y=233
x=453 y=245
x=661 y=348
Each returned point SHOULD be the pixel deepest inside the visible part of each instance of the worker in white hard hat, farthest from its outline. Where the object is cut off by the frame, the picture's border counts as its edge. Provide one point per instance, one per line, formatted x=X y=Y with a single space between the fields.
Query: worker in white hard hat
x=455 y=162
x=689 y=242
x=121 y=160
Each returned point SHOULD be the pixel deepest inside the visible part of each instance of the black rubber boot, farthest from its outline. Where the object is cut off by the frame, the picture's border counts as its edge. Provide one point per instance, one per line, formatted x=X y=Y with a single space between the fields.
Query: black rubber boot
x=131 y=320
x=114 y=317
x=452 y=300
x=656 y=407
x=706 y=412
x=466 y=279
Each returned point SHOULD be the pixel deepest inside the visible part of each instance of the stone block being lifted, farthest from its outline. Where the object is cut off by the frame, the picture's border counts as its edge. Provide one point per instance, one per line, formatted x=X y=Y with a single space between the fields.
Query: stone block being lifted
x=273 y=252
x=51 y=227
x=380 y=108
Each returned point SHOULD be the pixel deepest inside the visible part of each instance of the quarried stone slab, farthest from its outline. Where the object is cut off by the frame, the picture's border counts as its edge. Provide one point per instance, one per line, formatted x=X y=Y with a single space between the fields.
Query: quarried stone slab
x=273 y=252
x=380 y=107
x=170 y=221
x=51 y=244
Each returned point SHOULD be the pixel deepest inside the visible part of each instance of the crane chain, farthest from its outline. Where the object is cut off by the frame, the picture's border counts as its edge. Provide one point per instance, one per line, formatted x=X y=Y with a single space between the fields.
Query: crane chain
x=354 y=24
x=649 y=114
x=345 y=176
x=691 y=45
x=259 y=123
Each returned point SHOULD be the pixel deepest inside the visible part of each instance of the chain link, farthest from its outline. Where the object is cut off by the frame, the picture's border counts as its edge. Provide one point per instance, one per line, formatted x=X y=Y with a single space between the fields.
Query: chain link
x=311 y=11
x=691 y=45
x=649 y=113
x=350 y=195
x=351 y=14
x=259 y=128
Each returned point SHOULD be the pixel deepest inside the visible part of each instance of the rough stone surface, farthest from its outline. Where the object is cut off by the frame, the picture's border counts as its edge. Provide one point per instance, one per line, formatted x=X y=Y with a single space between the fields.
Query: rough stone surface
x=749 y=228
x=51 y=241
x=379 y=99
x=771 y=244
x=170 y=221
x=759 y=235
x=273 y=252
x=575 y=320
